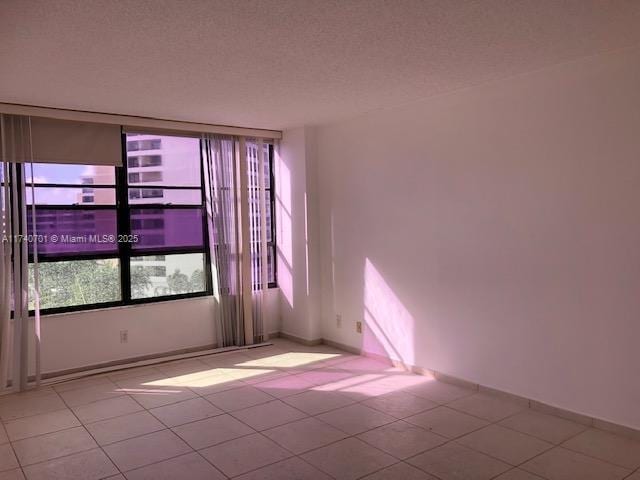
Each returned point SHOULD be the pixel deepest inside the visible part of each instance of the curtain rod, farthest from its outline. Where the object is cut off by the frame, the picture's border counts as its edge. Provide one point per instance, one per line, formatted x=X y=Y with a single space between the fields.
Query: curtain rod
x=135 y=121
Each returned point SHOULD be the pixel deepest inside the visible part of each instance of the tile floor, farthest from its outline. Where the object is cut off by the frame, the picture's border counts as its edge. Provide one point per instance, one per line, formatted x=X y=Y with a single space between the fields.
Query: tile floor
x=293 y=412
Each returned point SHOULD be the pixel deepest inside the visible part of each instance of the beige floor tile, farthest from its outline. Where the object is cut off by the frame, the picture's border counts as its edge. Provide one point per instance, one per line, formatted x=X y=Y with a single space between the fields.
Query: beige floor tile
x=517 y=474
x=219 y=384
x=15 y=474
x=120 y=428
x=82 y=383
x=289 y=469
x=181 y=367
x=29 y=403
x=447 y=422
x=154 y=396
x=188 y=467
x=140 y=451
x=8 y=459
x=456 y=462
x=606 y=446
x=355 y=419
x=109 y=408
x=366 y=364
x=402 y=439
x=400 y=471
x=505 y=444
x=439 y=391
x=487 y=406
x=284 y=386
x=400 y=404
x=239 y=398
x=89 y=465
x=132 y=373
x=265 y=377
x=227 y=359
x=268 y=415
x=363 y=386
x=40 y=424
x=83 y=396
x=212 y=431
x=304 y=435
x=314 y=402
x=185 y=412
x=244 y=454
x=53 y=445
x=348 y=459
x=546 y=427
x=323 y=376
x=562 y=464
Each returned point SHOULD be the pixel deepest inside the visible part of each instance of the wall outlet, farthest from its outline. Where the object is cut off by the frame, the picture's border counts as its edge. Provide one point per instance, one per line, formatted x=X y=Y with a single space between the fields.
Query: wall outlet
x=338 y=320
x=124 y=336
x=359 y=327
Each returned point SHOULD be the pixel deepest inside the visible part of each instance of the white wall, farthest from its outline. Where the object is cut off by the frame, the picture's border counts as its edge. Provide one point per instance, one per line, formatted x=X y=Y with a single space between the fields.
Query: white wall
x=296 y=227
x=80 y=339
x=493 y=234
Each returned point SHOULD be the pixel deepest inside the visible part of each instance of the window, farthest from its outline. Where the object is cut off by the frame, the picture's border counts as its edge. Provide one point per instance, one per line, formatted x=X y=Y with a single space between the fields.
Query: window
x=79 y=261
x=82 y=211
x=144 y=161
x=145 y=144
x=133 y=234
x=145 y=177
x=255 y=209
x=167 y=217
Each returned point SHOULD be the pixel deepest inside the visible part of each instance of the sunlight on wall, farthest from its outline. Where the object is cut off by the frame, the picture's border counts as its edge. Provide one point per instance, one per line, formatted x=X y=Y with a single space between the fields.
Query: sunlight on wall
x=284 y=233
x=389 y=327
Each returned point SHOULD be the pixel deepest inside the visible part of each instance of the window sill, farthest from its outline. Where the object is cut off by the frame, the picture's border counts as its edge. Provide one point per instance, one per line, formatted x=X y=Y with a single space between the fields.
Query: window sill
x=54 y=312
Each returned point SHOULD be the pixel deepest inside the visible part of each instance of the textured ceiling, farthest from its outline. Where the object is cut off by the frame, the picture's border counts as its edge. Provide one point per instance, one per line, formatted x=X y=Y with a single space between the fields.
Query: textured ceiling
x=283 y=63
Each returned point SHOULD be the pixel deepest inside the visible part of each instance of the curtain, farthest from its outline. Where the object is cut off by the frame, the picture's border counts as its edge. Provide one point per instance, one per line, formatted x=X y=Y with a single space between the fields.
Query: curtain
x=258 y=164
x=235 y=185
x=16 y=149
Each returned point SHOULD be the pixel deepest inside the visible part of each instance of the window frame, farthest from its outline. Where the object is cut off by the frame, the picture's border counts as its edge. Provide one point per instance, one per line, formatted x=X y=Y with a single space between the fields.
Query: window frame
x=272 y=205
x=123 y=227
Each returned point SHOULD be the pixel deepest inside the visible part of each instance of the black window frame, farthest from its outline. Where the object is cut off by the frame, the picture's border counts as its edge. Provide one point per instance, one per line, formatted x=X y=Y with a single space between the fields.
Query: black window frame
x=124 y=253
x=272 y=245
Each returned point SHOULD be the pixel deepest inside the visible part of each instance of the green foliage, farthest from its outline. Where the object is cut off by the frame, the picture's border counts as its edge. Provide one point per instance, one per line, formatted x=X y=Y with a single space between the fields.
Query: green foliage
x=78 y=282
x=178 y=282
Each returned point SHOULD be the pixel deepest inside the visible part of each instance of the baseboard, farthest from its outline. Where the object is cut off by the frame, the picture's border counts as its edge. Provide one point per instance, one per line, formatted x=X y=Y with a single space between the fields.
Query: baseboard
x=529 y=402
x=300 y=340
x=341 y=346
x=126 y=361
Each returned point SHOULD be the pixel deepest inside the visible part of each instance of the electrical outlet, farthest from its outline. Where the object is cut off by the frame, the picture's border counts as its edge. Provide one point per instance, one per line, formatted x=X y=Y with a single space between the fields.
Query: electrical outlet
x=338 y=320
x=359 y=327
x=124 y=336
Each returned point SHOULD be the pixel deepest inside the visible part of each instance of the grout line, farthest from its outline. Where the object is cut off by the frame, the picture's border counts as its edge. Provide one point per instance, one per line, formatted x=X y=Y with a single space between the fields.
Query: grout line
x=328 y=368
x=91 y=435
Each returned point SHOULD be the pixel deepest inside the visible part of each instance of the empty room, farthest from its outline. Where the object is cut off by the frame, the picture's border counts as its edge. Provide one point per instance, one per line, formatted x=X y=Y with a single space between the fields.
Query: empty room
x=320 y=239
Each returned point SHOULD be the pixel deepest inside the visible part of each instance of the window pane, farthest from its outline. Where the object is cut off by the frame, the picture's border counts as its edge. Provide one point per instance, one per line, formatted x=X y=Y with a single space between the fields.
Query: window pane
x=166 y=227
x=171 y=275
x=71 y=174
x=170 y=160
x=74 y=231
x=77 y=282
x=72 y=196
x=271 y=271
x=165 y=196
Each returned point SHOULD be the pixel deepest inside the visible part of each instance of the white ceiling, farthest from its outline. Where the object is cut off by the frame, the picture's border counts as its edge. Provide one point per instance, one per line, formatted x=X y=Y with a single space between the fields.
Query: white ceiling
x=283 y=63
